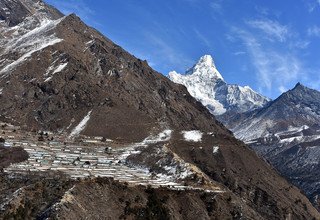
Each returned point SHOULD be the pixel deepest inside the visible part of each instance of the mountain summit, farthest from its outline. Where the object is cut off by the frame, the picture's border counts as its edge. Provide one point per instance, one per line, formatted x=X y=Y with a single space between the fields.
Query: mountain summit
x=205 y=83
x=205 y=67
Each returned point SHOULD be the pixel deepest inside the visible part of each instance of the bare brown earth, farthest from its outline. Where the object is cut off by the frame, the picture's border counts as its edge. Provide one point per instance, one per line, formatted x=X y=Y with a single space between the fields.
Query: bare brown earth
x=11 y=155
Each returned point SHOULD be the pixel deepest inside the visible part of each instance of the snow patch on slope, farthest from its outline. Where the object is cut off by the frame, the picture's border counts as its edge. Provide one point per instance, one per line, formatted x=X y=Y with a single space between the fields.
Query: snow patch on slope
x=193 y=135
x=215 y=149
x=48 y=79
x=152 y=139
x=55 y=69
x=161 y=137
x=20 y=60
x=176 y=171
x=81 y=126
x=60 y=68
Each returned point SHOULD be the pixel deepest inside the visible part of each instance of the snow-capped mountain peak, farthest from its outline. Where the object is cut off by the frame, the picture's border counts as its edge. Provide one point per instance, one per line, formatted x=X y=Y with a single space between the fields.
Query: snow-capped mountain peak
x=205 y=83
x=205 y=67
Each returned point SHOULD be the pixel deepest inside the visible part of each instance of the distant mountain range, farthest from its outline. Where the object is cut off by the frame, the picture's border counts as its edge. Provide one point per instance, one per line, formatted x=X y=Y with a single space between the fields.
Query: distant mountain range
x=205 y=83
x=285 y=131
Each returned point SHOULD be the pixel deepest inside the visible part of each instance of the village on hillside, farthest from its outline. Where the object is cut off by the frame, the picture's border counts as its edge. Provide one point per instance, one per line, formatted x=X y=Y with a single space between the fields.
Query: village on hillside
x=83 y=157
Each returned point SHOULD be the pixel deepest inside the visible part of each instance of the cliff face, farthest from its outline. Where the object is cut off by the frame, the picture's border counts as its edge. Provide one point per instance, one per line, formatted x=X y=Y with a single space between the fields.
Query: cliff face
x=58 y=74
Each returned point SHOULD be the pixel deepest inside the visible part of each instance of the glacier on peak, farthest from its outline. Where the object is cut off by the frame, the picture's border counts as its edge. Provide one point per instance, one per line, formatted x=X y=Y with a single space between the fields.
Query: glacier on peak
x=206 y=84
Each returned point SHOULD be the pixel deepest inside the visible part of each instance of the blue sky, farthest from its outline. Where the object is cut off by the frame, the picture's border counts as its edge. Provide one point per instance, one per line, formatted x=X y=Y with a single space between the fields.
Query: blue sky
x=269 y=45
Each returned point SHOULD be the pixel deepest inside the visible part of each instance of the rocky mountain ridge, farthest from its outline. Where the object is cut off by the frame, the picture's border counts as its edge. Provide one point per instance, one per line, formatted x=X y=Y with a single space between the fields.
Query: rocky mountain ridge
x=295 y=108
x=287 y=133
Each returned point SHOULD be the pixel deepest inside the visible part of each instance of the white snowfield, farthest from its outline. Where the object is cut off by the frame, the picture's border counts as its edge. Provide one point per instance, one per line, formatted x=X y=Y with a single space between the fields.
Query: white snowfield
x=81 y=126
x=205 y=83
x=194 y=135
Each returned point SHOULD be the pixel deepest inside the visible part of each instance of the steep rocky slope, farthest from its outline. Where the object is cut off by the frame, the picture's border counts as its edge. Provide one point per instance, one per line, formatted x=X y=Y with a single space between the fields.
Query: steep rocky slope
x=55 y=74
x=286 y=132
x=205 y=83
x=59 y=74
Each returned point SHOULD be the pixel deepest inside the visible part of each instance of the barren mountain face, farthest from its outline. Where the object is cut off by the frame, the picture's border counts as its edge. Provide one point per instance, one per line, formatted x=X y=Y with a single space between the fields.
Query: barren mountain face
x=59 y=75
